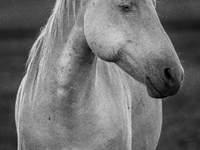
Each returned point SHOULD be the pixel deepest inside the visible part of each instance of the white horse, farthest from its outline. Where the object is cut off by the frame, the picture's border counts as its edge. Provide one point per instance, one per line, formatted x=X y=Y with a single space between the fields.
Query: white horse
x=93 y=77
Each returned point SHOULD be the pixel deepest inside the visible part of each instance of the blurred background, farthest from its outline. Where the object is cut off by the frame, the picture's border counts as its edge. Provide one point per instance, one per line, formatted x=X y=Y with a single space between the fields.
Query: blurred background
x=20 y=24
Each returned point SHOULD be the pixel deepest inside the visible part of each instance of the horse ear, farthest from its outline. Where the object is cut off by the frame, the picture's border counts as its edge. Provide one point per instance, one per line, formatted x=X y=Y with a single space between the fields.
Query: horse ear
x=154 y=3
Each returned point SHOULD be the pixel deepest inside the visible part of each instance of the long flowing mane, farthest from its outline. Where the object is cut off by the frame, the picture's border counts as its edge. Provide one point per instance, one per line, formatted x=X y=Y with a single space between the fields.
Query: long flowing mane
x=55 y=32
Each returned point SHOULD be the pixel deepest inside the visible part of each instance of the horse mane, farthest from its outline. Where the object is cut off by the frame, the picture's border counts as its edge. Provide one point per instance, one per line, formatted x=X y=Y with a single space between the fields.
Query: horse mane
x=54 y=33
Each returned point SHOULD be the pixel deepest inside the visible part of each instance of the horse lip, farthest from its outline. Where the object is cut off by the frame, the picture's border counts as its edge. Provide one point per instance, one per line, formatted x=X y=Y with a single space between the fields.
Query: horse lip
x=152 y=90
x=155 y=93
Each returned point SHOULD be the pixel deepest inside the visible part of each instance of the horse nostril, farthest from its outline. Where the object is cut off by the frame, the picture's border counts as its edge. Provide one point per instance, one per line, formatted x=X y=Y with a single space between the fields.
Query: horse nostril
x=167 y=73
x=169 y=78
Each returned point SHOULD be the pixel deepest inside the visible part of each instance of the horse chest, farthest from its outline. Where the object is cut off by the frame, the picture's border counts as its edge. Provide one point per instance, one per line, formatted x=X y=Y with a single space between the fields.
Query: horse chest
x=98 y=125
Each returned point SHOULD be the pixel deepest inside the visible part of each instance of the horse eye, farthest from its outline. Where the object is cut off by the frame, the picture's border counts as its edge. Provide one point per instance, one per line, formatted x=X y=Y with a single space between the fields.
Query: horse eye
x=126 y=8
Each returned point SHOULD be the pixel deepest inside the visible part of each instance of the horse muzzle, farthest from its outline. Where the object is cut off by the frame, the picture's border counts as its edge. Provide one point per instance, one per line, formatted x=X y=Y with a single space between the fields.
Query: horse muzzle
x=167 y=84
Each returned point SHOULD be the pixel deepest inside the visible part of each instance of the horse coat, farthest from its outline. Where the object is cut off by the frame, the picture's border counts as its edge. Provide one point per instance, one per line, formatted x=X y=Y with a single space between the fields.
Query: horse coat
x=94 y=78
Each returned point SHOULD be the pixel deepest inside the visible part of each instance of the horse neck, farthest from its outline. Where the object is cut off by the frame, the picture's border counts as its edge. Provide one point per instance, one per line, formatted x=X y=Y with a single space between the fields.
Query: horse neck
x=71 y=58
x=77 y=62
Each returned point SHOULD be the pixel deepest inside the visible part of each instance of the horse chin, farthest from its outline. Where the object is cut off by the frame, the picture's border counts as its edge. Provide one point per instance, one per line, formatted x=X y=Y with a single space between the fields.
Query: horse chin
x=152 y=90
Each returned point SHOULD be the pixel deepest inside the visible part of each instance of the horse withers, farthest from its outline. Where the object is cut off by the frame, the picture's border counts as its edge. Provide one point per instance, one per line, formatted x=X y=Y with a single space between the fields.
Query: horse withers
x=95 y=76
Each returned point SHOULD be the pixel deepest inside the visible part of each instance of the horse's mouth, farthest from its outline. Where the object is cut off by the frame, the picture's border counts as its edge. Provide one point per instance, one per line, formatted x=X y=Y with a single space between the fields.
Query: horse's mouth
x=152 y=90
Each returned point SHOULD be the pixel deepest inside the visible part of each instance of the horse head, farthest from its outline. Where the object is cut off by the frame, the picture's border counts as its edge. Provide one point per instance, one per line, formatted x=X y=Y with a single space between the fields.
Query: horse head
x=129 y=34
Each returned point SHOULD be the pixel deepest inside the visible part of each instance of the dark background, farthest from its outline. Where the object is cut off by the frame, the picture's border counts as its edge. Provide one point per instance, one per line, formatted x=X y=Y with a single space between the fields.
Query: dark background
x=20 y=23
